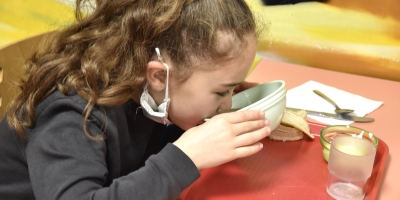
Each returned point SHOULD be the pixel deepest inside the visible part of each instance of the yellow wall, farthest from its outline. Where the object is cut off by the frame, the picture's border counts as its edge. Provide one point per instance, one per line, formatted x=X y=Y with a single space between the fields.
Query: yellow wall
x=353 y=36
x=20 y=19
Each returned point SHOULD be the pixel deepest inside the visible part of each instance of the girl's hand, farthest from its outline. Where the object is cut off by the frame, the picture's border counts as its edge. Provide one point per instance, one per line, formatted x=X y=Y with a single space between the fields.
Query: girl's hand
x=225 y=137
x=244 y=86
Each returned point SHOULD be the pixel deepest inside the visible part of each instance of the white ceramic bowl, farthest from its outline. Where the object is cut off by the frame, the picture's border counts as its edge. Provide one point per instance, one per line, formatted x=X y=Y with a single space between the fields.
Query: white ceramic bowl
x=269 y=97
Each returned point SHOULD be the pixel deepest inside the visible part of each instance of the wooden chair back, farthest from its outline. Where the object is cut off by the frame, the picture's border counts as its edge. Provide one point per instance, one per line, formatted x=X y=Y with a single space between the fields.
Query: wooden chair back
x=12 y=59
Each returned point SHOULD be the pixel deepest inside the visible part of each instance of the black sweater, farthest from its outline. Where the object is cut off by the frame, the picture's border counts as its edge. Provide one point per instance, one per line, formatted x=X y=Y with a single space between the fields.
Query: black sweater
x=57 y=160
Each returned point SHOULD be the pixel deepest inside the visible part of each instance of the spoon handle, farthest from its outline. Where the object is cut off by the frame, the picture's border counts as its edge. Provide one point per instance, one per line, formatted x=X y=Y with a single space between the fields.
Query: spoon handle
x=326 y=98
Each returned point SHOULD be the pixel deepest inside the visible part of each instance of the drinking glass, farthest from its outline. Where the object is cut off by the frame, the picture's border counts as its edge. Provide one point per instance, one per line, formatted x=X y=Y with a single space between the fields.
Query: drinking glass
x=351 y=160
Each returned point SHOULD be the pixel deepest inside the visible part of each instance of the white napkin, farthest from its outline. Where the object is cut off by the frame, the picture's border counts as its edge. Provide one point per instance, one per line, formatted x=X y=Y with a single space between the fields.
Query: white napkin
x=303 y=97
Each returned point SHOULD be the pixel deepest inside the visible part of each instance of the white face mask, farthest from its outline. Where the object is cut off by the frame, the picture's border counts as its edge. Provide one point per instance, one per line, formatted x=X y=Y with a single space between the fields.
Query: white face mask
x=157 y=113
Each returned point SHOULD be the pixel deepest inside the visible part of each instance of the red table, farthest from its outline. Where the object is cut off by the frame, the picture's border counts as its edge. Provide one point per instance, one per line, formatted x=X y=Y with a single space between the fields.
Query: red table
x=296 y=170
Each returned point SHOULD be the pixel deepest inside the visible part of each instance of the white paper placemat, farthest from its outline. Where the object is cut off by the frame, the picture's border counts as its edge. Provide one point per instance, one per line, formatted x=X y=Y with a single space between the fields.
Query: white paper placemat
x=303 y=97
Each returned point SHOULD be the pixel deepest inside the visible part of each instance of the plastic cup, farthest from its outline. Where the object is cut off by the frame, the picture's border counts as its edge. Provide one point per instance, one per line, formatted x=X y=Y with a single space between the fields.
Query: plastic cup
x=350 y=166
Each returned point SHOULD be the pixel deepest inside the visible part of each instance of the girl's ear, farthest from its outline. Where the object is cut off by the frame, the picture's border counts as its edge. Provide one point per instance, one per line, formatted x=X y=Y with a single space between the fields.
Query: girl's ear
x=156 y=76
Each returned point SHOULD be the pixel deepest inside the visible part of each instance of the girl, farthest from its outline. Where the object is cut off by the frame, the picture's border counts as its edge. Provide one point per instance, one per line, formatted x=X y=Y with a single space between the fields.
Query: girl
x=113 y=108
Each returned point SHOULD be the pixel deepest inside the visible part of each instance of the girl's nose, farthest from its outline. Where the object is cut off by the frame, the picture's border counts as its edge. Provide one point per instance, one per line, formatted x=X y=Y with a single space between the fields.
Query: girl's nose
x=226 y=104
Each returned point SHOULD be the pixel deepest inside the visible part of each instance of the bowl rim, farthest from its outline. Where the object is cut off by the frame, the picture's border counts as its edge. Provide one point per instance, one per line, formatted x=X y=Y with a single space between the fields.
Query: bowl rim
x=343 y=127
x=257 y=103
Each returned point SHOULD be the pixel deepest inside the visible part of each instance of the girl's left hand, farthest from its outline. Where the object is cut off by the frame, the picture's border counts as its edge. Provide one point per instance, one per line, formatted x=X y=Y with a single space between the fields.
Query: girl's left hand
x=224 y=138
x=244 y=86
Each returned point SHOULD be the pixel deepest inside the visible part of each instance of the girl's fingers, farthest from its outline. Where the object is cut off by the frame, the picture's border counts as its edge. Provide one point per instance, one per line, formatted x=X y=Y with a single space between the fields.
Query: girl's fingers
x=249 y=143
x=245 y=151
x=250 y=138
x=249 y=126
x=243 y=116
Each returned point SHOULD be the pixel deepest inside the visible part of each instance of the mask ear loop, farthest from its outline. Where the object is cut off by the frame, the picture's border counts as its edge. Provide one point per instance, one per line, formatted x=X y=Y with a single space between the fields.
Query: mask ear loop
x=166 y=66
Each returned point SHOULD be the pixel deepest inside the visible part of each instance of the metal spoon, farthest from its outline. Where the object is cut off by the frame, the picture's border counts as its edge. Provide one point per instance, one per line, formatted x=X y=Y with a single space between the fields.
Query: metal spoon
x=338 y=110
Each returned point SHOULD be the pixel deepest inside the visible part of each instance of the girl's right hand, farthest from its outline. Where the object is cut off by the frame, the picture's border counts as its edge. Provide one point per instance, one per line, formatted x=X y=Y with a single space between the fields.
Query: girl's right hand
x=224 y=138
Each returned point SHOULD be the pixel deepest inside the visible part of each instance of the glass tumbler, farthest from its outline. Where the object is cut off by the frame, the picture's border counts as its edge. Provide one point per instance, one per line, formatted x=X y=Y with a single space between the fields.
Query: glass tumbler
x=350 y=165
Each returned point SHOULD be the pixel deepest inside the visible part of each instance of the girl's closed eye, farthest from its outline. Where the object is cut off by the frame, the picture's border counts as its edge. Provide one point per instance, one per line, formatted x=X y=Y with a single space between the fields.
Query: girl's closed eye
x=223 y=94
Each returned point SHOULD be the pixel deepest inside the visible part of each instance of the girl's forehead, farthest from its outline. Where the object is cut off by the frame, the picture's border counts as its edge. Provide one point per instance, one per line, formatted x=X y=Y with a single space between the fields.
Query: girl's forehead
x=226 y=73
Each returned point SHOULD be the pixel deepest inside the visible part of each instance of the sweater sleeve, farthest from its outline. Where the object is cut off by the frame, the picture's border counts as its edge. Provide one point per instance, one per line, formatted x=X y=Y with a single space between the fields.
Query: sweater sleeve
x=65 y=164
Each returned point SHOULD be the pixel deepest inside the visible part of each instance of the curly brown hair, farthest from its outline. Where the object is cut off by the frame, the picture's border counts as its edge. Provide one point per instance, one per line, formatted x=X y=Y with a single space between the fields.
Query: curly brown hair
x=103 y=56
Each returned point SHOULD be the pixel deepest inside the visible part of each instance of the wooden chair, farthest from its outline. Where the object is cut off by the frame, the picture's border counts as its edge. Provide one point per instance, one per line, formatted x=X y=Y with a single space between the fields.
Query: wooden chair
x=12 y=59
